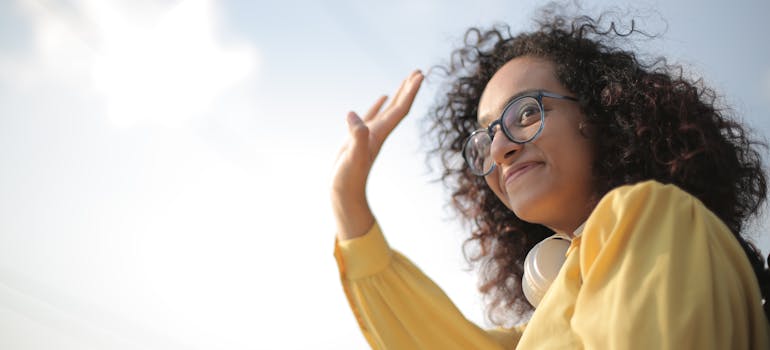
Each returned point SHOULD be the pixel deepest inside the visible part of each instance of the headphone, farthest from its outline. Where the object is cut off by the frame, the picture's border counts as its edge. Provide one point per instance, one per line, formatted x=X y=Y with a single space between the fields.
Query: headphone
x=543 y=263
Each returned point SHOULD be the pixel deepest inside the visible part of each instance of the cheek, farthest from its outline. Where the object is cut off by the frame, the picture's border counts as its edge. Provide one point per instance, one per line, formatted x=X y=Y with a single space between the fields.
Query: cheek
x=580 y=160
x=493 y=181
x=573 y=169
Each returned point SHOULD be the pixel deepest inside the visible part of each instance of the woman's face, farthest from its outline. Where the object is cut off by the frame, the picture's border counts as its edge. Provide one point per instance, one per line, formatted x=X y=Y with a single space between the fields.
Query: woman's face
x=547 y=181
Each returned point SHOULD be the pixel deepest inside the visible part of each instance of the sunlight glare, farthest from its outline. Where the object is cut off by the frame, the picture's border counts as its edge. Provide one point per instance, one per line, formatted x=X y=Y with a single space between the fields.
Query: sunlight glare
x=168 y=70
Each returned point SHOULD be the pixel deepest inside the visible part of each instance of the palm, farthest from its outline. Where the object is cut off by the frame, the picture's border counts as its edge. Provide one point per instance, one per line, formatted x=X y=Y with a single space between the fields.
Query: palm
x=357 y=156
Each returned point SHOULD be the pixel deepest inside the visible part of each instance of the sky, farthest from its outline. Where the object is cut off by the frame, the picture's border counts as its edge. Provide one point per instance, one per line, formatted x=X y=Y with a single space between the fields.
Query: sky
x=166 y=164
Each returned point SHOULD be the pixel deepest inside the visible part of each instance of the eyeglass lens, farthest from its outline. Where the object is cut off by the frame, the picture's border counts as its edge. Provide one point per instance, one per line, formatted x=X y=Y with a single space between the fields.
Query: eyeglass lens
x=521 y=121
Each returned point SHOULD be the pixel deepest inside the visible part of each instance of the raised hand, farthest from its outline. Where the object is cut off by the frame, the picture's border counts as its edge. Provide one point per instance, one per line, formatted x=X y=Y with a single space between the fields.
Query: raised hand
x=355 y=160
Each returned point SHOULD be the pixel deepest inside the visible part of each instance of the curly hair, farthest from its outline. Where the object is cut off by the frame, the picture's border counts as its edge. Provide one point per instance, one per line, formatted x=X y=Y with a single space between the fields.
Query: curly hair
x=645 y=120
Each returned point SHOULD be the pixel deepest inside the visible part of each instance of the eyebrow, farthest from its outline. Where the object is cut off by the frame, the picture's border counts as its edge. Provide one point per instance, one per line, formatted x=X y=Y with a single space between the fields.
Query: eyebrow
x=485 y=120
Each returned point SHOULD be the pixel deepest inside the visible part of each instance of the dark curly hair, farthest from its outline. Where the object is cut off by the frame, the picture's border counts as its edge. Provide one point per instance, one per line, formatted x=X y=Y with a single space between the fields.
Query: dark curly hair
x=646 y=120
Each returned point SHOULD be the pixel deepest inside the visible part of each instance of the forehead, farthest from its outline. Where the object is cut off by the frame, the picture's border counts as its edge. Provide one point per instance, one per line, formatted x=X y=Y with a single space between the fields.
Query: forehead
x=517 y=75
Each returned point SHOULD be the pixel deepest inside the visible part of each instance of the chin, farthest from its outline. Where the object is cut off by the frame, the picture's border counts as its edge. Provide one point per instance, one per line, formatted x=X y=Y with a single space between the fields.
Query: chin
x=529 y=206
x=528 y=216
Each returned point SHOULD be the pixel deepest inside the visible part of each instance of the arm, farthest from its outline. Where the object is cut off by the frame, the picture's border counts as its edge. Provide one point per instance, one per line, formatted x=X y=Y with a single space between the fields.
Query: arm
x=660 y=271
x=398 y=307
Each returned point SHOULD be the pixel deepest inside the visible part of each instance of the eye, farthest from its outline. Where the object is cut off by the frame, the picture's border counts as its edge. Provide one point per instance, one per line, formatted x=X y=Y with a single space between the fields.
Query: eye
x=528 y=114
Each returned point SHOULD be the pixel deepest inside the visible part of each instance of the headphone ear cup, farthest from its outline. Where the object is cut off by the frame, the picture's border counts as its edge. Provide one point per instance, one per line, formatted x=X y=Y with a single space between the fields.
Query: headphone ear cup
x=541 y=266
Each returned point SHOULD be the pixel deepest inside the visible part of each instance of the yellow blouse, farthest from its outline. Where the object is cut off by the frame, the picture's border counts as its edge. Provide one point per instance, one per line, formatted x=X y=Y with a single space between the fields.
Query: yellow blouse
x=653 y=269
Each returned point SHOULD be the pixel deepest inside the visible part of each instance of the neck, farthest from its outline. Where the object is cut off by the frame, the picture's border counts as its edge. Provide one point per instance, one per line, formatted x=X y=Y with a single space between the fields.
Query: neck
x=573 y=226
x=572 y=229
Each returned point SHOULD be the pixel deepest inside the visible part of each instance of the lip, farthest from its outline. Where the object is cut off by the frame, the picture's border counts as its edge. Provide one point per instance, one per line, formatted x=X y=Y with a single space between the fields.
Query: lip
x=517 y=170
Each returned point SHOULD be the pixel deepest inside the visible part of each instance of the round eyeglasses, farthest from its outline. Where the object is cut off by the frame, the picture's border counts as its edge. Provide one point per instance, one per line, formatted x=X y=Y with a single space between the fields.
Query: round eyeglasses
x=522 y=121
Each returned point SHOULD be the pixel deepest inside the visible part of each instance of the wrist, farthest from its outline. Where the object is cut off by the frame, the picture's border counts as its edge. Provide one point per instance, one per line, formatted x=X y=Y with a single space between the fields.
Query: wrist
x=353 y=220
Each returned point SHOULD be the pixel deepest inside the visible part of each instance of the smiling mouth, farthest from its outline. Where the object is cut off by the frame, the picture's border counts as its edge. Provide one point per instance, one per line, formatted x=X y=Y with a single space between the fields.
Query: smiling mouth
x=513 y=175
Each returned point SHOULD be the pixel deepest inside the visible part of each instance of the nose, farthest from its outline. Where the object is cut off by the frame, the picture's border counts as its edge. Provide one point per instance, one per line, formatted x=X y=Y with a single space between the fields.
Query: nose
x=502 y=149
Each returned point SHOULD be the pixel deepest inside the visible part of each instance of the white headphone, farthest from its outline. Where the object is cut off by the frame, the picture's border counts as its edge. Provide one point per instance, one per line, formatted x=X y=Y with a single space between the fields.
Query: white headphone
x=543 y=263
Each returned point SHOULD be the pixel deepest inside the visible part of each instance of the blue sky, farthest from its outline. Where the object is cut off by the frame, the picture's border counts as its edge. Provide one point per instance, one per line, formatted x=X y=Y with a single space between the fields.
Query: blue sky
x=166 y=163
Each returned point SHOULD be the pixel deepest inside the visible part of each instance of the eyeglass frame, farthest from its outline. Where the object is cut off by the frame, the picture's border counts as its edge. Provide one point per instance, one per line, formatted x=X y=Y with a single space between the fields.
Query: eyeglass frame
x=537 y=95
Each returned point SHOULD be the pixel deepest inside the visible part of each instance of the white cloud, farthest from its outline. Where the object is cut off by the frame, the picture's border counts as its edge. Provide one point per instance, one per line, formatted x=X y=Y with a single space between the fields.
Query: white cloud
x=149 y=62
x=142 y=63
x=167 y=71
x=58 y=55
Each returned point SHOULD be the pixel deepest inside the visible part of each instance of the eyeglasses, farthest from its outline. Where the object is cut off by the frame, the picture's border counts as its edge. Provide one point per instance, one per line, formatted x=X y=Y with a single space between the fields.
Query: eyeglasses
x=522 y=121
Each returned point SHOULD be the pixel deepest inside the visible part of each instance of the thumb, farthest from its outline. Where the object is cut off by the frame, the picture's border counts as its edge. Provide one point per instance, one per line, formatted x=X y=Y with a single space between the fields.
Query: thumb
x=359 y=132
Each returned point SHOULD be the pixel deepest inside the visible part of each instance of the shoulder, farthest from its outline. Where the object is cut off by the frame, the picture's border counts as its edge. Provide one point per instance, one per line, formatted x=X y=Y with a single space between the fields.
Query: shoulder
x=650 y=210
x=648 y=200
x=645 y=194
x=655 y=252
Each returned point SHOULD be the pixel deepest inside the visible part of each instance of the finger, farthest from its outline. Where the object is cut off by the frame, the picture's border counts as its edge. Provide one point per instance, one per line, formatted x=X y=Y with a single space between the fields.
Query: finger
x=399 y=107
x=359 y=133
x=375 y=108
x=401 y=88
x=407 y=97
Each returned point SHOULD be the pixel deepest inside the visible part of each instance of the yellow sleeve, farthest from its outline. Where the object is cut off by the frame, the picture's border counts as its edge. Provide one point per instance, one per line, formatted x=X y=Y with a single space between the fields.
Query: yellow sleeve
x=660 y=271
x=398 y=307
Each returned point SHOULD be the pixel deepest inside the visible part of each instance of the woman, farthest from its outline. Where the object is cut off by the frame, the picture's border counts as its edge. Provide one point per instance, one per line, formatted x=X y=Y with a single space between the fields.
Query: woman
x=610 y=193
